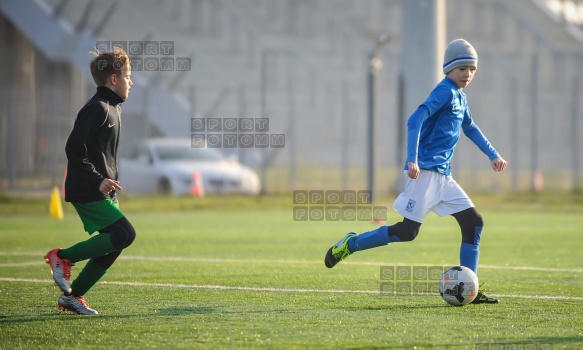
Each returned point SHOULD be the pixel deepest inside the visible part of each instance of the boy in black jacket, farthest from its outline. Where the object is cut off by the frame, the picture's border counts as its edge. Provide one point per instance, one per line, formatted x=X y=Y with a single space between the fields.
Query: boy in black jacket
x=92 y=181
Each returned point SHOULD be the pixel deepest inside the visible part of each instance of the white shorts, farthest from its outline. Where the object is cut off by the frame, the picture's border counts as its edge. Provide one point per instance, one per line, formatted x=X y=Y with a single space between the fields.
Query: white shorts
x=431 y=191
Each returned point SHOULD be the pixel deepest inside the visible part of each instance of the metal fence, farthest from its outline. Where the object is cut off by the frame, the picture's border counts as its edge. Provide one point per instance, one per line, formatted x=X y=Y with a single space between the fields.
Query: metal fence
x=303 y=65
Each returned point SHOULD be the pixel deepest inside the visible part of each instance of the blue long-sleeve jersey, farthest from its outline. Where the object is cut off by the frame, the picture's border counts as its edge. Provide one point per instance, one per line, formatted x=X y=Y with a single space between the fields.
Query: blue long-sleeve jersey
x=435 y=128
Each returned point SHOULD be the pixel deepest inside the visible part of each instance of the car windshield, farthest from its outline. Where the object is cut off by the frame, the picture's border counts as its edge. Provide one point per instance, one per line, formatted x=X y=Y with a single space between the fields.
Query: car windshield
x=176 y=153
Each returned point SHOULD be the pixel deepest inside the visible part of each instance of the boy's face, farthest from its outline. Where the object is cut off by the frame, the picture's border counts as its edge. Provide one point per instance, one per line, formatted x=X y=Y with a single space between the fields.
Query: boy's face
x=462 y=76
x=121 y=85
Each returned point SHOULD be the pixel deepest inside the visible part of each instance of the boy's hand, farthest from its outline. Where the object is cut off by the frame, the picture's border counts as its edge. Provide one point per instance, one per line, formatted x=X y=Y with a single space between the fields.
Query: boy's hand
x=413 y=171
x=108 y=185
x=499 y=164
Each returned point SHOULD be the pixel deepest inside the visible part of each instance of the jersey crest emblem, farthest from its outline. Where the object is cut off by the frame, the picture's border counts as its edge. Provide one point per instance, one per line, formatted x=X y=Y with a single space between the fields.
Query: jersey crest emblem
x=410 y=206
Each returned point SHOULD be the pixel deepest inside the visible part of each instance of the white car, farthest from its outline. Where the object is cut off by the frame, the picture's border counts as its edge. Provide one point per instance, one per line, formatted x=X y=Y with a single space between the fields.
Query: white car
x=173 y=167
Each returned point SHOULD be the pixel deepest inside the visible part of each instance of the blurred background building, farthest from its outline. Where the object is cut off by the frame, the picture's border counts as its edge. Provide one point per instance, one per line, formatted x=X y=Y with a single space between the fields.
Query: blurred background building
x=303 y=64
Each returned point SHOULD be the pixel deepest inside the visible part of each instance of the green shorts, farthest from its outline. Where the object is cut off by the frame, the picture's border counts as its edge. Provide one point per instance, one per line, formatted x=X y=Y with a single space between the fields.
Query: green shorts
x=98 y=215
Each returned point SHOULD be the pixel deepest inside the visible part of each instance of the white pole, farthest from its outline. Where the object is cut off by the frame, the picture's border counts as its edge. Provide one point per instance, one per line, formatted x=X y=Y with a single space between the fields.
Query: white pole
x=423 y=40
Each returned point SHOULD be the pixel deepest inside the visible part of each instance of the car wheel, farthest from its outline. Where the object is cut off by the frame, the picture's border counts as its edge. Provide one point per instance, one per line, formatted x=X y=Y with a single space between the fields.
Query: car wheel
x=164 y=187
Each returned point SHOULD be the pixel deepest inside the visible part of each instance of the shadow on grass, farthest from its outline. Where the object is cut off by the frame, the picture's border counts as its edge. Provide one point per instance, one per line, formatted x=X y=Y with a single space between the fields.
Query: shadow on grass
x=393 y=307
x=535 y=343
x=205 y=310
x=61 y=316
x=58 y=316
x=177 y=311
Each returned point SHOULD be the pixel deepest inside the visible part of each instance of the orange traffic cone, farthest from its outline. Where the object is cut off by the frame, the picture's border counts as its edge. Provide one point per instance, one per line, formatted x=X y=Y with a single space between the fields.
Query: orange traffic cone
x=197 y=189
x=55 y=207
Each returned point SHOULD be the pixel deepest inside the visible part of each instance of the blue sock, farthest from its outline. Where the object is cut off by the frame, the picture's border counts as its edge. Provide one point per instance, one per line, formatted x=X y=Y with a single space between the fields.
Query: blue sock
x=469 y=256
x=370 y=239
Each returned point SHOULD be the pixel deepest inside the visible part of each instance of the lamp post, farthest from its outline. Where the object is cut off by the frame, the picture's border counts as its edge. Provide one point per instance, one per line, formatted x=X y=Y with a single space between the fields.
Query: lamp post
x=375 y=65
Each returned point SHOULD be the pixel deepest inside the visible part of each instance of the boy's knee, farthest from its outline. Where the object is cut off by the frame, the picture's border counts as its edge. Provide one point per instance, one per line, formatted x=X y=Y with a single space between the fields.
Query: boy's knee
x=122 y=233
x=405 y=231
x=478 y=219
x=471 y=224
x=408 y=235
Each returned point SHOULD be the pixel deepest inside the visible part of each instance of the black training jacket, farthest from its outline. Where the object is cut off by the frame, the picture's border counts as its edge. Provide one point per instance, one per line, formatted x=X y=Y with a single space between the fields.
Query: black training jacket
x=92 y=147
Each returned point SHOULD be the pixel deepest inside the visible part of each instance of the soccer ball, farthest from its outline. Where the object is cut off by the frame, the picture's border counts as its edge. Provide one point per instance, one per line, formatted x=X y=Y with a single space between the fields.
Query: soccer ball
x=458 y=286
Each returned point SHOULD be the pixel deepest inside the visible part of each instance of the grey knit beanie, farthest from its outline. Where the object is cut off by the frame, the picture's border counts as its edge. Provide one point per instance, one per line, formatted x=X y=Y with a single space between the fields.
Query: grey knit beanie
x=459 y=53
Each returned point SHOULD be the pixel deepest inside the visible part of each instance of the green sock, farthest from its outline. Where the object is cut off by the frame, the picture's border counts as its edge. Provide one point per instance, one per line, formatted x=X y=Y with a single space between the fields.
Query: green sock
x=88 y=277
x=95 y=246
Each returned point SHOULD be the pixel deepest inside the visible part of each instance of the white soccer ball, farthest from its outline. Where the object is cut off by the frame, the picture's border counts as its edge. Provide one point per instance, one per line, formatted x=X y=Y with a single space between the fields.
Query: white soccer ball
x=458 y=286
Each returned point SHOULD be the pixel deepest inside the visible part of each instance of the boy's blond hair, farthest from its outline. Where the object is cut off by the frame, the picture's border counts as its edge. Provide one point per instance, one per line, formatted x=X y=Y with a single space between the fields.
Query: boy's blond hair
x=106 y=63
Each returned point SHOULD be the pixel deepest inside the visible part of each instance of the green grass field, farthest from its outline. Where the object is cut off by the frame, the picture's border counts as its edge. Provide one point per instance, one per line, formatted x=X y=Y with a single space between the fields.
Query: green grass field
x=254 y=278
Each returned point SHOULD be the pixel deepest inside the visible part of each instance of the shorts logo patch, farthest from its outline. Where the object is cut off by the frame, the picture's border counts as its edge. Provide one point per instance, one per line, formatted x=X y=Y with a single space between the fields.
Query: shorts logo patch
x=410 y=206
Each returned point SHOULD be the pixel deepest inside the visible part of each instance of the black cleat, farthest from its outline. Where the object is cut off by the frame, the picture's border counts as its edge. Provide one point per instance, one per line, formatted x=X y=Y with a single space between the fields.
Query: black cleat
x=339 y=251
x=482 y=298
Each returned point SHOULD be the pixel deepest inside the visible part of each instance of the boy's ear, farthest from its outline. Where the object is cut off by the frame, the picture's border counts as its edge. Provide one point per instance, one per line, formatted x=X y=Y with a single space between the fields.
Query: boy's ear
x=112 y=79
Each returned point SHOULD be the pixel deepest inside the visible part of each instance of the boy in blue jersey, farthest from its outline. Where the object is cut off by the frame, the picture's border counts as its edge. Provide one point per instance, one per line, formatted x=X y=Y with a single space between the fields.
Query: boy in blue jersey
x=433 y=132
